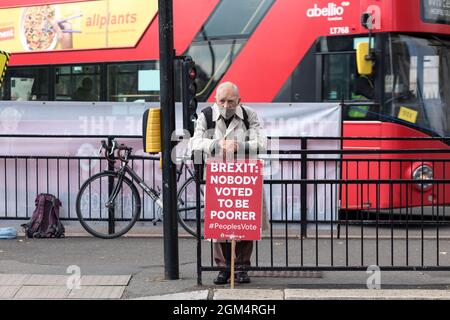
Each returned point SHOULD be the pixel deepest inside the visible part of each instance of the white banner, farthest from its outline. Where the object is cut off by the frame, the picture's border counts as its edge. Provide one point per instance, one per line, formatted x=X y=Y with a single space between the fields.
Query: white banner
x=110 y=118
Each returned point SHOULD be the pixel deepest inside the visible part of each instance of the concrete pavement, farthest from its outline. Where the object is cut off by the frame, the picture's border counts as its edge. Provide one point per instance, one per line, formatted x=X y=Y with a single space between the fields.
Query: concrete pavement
x=139 y=263
x=60 y=287
x=305 y=294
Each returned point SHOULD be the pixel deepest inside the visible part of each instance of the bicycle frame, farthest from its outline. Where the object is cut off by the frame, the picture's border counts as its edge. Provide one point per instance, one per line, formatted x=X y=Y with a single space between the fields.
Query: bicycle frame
x=126 y=169
x=115 y=182
x=149 y=191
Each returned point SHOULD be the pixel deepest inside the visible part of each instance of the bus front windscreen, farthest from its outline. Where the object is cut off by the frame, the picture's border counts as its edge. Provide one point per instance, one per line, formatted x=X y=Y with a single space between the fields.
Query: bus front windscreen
x=417 y=82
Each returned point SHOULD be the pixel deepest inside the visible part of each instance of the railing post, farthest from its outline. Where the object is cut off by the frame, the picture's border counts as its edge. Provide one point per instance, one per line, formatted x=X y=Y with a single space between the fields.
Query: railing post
x=341 y=162
x=303 y=188
x=198 y=175
x=111 y=211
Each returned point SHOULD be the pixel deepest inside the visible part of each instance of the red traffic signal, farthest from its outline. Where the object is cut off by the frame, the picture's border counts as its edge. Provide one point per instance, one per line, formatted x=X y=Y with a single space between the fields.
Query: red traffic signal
x=192 y=73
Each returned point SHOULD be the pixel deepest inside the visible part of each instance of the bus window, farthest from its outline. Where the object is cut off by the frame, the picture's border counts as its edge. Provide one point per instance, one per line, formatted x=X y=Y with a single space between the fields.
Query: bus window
x=416 y=82
x=212 y=59
x=340 y=79
x=218 y=42
x=26 y=84
x=341 y=82
x=363 y=88
x=134 y=82
x=85 y=91
x=77 y=83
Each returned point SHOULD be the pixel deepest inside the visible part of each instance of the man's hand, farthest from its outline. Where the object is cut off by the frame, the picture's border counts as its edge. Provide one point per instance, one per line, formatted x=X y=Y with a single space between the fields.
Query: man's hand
x=228 y=146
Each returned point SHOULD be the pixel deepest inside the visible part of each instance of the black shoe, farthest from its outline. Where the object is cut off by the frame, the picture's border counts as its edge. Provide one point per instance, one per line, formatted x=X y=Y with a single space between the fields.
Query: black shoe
x=242 y=277
x=222 y=277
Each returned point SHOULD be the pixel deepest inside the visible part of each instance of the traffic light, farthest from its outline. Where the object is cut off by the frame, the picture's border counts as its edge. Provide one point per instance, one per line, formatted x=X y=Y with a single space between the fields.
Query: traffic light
x=189 y=91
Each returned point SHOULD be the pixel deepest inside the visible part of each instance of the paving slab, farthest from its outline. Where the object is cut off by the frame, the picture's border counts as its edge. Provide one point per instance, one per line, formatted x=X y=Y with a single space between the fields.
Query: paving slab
x=248 y=294
x=8 y=292
x=358 y=294
x=42 y=292
x=97 y=292
x=46 y=280
x=192 y=295
x=13 y=279
x=121 y=280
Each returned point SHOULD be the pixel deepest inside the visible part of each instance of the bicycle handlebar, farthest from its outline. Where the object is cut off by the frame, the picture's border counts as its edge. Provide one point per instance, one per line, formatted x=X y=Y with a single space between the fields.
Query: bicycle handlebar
x=122 y=151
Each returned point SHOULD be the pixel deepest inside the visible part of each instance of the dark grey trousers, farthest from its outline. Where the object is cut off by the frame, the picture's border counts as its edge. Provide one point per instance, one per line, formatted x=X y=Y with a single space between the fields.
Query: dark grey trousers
x=222 y=253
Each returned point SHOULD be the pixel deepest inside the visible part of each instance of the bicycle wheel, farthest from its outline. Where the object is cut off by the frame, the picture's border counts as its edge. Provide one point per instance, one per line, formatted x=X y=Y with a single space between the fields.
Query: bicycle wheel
x=111 y=221
x=187 y=207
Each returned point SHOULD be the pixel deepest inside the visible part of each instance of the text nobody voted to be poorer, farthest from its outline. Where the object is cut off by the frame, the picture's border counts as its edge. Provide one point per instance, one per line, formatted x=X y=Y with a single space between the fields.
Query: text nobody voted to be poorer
x=233 y=203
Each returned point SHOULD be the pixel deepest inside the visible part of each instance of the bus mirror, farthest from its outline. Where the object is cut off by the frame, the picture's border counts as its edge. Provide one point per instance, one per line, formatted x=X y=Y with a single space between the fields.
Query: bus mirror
x=367 y=21
x=363 y=59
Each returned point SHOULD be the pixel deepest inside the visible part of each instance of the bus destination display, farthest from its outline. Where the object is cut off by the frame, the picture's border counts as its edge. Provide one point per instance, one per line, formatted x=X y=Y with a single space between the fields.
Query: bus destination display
x=436 y=11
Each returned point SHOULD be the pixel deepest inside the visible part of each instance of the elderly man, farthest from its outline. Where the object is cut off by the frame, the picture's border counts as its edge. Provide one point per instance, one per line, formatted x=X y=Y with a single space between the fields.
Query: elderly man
x=229 y=130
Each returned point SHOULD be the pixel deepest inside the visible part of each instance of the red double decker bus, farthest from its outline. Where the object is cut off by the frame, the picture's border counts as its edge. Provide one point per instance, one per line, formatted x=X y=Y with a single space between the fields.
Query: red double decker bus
x=276 y=50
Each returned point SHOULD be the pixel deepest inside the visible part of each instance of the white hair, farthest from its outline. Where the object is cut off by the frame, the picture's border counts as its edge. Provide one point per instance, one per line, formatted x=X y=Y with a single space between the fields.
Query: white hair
x=227 y=84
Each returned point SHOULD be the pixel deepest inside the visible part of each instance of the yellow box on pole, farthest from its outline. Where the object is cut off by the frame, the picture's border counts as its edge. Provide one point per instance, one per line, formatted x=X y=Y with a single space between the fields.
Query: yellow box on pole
x=4 y=59
x=152 y=130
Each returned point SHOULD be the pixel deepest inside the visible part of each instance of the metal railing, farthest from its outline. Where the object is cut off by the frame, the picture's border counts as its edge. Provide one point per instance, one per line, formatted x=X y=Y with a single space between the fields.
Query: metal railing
x=31 y=170
x=330 y=209
x=352 y=207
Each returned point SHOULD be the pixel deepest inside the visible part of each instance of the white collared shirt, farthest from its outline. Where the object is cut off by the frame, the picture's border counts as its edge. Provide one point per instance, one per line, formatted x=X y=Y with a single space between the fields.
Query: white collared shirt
x=207 y=141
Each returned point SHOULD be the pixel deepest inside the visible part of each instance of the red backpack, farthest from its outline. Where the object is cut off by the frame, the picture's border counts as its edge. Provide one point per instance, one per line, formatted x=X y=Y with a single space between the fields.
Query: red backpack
x=45 y=222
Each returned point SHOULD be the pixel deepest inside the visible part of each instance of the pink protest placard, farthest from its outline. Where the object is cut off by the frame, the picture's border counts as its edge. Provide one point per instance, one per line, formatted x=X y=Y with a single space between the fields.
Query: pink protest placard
x=233 y=203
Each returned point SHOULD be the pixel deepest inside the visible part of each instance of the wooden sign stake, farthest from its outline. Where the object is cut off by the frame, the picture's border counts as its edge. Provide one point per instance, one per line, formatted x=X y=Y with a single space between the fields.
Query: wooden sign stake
x=233 y=249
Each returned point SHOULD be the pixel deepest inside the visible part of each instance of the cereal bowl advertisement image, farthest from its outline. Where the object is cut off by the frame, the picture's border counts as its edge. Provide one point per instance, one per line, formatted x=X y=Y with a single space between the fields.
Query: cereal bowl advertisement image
x=36 y=32
x=75 y=26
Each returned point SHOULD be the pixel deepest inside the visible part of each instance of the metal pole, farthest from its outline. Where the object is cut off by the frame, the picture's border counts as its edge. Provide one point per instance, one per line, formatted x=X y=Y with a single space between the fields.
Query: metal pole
x=169 y=183
x=198 y=177
x=111 y=210
x=303 y=189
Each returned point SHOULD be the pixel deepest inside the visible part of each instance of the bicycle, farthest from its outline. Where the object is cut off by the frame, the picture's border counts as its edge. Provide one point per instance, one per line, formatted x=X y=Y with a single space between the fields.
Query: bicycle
x=111 y=197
